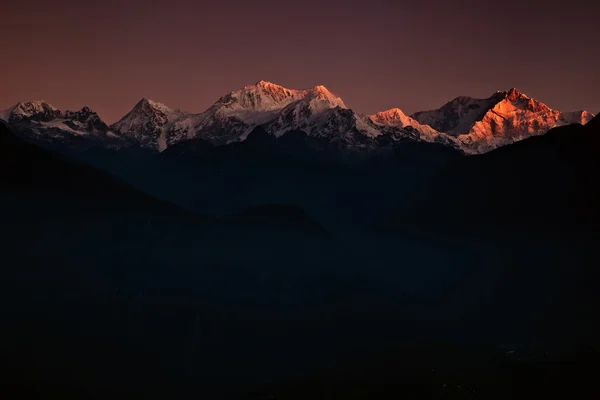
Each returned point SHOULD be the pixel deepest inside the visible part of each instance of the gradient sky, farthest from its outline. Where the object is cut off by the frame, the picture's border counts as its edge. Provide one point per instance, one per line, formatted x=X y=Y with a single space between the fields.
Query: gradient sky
x=375 y=54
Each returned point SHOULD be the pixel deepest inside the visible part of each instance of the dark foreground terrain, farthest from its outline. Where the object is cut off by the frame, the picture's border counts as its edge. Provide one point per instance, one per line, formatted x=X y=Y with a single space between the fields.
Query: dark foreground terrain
x=106 y=292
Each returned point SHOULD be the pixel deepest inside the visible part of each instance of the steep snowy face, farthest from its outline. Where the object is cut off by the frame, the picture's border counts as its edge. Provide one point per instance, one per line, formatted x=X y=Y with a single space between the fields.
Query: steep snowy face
x=40 y=122
x=85 y=120
x=333 y=124
x=396 y=118
x=262 y=96
x=235 y=115
x=31 y=110
x=316 y=111
x=309 y=113
x=147 y=123
x=456 y=116
x=262 y=102
x=515 y=117
x=480 y=125
x=393 y=116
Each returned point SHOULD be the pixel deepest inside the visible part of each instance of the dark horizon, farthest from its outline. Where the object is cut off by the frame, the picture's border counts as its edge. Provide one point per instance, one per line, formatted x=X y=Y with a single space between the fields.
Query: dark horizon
x=375 y=55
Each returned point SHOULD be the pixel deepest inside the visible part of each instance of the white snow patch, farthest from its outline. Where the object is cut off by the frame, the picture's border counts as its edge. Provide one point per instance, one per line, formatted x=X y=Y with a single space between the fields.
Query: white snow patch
x=60 y=124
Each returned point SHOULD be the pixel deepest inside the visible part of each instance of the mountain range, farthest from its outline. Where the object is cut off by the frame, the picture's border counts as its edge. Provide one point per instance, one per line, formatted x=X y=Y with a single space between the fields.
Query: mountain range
x=227 y=235
x=472 y=126
x=96 y=272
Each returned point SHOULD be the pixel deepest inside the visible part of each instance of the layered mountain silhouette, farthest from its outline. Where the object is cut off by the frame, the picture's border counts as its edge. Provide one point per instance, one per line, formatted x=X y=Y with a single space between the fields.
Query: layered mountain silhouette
x=37 y=182
x=29 y=173
x=543 y=184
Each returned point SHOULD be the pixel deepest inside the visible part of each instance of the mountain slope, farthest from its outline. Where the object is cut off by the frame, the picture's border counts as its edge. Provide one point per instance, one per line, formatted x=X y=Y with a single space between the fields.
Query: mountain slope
x=315 y=111
x=396 y=118
x=33 y=175
x=234 y=115
x=147 y=123
x=481 y=125
x=43 y=124
x=30 y=110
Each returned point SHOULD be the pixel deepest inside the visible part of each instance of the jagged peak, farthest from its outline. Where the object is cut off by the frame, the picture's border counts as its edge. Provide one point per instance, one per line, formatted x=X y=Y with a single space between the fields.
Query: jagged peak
x=513 y=94
x=320 y=89
x=84 y=111
x=262 y=96
x=149 y=102
x=392 y=112
x=524 y=102
x=320 y=92
x=265 y=87
x=148 y=105
x=393 y=116
x=39 y=109
x=271 y=87
x=267 y=84
x=33 y=105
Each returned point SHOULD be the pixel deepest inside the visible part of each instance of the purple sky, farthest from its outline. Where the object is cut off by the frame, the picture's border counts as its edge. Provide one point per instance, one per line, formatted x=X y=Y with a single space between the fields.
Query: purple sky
x=375 y=54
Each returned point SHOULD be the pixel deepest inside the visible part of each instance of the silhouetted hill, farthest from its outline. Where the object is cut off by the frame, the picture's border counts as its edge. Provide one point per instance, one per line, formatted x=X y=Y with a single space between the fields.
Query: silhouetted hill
x=544 y=183
x=193 y=148
x=594 y=123
x=36 y=175
x=260 y=148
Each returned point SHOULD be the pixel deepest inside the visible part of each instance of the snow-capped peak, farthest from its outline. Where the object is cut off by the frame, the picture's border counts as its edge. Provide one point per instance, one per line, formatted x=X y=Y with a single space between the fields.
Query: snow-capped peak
x=396 y=118
x=263 y=96
x=503 y=118
x=267 y=96
x=147 y=123
x=320 y=92
x=28 y=108
x=88 y=117
x=513 y=94
x=146 y=105
x=307 y=111
x=147 y=109
x=38 y=110
x=459 y=116
x=266 y=85
x=236 y=114
x=393 y=116
x=85 y=112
